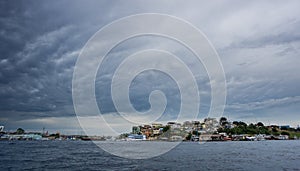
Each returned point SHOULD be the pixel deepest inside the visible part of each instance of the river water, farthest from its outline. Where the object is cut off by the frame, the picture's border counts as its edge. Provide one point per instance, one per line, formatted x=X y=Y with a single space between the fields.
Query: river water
x=85 y=155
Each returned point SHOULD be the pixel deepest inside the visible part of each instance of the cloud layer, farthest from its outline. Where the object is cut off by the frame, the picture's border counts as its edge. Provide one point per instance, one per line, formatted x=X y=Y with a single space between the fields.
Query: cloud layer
x=258 y=43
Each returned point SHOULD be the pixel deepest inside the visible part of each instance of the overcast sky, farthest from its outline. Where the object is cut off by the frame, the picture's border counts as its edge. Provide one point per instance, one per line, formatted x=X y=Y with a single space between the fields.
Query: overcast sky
x=258 y=43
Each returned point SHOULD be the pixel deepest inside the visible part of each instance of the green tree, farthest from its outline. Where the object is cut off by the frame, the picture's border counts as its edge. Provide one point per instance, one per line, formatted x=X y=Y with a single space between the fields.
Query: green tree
x=264 y=130
x=20 y=131
x=260 y=124
x=274 y=130
x=242 y=124
x=166 y=128
x=188 y=137
x=223 y=121
x=195 y=132
x=285 y=133
x=252 y=126
x=235 y=122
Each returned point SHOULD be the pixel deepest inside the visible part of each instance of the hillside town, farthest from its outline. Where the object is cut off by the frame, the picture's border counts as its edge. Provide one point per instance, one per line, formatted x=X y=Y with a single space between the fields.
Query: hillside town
x=210 y=129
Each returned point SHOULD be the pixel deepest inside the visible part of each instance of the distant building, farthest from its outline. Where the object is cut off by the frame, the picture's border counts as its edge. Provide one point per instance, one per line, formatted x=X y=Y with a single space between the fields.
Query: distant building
x=157 y=125
x=210 y=125
x=285 y=127
x=174 y=125
x=187 y=124
x=146 y=130
x=283 y=137
x=157 y=131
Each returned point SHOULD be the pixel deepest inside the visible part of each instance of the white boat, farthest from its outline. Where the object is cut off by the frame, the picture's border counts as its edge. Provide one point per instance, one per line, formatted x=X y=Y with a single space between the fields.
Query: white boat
x=136 y=137
x=251 y=138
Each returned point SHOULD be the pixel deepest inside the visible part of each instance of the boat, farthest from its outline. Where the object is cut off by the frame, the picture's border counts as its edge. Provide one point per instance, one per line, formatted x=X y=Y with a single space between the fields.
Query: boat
x=135 y=137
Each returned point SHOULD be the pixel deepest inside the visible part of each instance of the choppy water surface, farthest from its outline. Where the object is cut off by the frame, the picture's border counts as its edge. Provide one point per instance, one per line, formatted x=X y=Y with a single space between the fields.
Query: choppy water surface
x=82 y=155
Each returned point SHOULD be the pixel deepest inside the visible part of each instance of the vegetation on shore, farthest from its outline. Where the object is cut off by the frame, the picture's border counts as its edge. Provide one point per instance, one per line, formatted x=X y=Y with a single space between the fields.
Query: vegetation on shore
x=254 y=129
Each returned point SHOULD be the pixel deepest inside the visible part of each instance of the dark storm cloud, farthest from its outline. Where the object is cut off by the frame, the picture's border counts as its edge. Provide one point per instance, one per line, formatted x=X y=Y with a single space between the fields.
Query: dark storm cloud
x=37 y=59
x=258 y=43
x=148 y=81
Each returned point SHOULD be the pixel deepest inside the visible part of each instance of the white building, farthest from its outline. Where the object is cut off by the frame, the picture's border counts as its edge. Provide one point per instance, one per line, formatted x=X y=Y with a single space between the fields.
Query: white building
x=174 y=125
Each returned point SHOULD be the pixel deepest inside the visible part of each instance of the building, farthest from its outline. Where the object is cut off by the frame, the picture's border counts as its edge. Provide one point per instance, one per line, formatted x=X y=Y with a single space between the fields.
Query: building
x=174 y=125
x=187 y=124
x=157 y=125
x=157 y=132
x=146 y=130
x=284 y=127
x=210 y=125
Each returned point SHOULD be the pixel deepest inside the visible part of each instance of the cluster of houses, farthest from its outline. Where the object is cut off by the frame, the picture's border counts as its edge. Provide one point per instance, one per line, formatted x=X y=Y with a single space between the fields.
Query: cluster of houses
x=174 y=131
x=197 y=131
